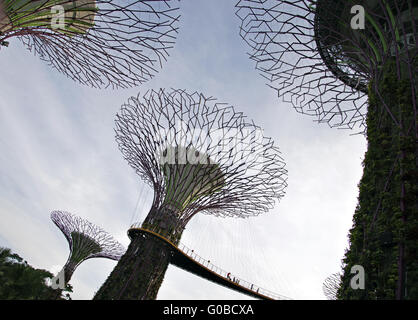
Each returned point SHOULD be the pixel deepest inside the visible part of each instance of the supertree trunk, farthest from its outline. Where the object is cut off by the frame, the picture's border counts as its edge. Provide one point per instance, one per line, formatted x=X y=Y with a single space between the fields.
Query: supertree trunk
x=408 y=191
x=384 y=236
x=69 y=269
x=140 y=272
x=399 y=93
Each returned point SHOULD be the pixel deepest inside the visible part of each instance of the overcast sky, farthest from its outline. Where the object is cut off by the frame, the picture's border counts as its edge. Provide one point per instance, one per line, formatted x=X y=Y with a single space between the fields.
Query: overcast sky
x=58 y=152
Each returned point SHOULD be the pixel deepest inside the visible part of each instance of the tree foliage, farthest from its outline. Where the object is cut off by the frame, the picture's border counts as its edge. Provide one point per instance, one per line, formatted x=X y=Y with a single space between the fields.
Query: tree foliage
x=20 y=281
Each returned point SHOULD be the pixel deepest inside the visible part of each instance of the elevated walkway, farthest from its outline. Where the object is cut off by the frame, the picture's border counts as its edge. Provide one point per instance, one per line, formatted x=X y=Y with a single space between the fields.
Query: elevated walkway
x=185 y=258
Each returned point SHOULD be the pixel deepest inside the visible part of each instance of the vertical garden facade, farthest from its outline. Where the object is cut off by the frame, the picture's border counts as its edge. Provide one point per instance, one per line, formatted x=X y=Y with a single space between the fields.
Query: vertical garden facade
x=384 y=236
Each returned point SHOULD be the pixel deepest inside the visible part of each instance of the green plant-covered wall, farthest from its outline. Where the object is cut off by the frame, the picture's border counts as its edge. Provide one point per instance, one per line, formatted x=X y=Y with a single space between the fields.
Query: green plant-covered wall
x=380 y=225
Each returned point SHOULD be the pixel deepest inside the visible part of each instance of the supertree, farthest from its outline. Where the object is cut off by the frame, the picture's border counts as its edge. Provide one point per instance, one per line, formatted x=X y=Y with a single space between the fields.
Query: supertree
x=331 y=285
x=86 y=241
x=198 y=155
x=99 y=43
x=353 y=65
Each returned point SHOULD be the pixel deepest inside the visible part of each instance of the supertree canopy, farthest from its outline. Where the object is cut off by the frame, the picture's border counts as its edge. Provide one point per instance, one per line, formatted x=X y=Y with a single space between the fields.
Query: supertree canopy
x=331 y=285
x=100 y=43
x=353 y=64
x=198 y=155
x=86 y=241
x=321 y=60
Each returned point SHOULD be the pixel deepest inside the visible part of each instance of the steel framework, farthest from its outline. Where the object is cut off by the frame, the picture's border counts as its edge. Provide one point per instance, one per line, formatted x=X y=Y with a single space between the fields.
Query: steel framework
x=313 y=57
x=99 y=43
x=331 y=285
x=198 y=155
x=86 y=241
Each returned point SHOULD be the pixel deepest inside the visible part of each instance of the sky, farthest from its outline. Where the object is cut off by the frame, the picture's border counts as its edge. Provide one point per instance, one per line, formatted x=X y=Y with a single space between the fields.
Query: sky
x=58 y=152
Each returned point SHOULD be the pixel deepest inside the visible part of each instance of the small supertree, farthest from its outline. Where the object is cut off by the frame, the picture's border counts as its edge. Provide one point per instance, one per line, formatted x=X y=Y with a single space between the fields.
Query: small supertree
x=100 y=43
x=198 y=155
x=331 y=285
x=327 y=57
x=86 y=241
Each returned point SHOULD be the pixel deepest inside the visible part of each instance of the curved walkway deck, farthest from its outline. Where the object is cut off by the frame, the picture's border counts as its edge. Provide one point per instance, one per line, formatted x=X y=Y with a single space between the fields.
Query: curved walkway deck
x=185 y=258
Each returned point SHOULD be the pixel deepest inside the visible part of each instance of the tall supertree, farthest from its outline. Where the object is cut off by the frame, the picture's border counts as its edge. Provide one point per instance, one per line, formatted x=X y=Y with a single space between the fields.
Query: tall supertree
x=86 y=241
x=331 y=285
x=99 y=43
x=199 y=156
x=353 y=65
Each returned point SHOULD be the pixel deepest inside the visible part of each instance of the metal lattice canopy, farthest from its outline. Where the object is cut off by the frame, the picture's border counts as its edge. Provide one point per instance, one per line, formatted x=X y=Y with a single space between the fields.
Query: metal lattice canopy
x=86 y=240
x=331 y=285
x=199 y=155
x=100 y=43
x=316 y=60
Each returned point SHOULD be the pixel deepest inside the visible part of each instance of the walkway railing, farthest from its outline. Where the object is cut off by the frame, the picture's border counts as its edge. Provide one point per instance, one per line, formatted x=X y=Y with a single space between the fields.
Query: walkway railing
x=256 y=290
